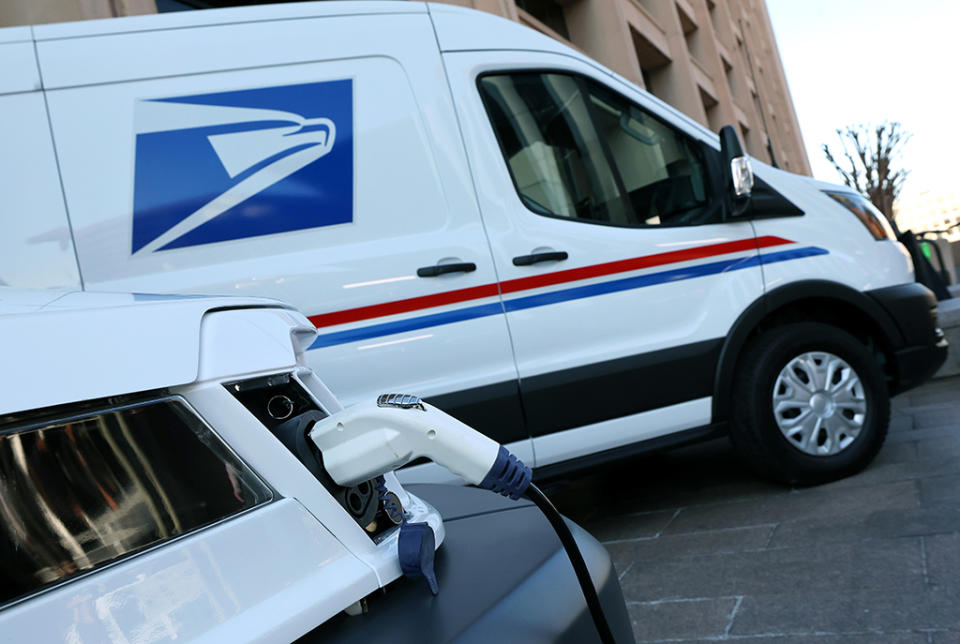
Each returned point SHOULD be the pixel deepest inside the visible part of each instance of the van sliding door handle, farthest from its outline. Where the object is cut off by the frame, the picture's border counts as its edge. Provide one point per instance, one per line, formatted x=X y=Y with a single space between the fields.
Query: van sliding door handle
x=552 y=256
x=440 y=269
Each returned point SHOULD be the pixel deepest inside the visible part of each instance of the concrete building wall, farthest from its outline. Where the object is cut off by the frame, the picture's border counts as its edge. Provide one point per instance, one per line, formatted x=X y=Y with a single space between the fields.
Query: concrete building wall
x=715 y=60
x=34 y=12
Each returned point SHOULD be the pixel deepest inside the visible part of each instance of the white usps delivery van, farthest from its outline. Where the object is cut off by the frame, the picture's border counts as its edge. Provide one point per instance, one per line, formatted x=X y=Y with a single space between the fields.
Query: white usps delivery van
x=156 y=484
x=471 y=211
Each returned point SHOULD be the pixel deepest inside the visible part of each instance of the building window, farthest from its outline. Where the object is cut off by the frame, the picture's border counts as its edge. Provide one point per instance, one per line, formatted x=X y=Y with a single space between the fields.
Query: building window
x=548 y=12
x=712 y=10
x=711 y=108
x=654 y=66
x=731 y=77
x=691 y=34
x=747 y=143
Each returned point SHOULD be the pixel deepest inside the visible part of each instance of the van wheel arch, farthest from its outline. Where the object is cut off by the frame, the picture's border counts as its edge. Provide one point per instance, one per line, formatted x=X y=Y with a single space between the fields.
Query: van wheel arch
x=810 y=404
x=805 y=301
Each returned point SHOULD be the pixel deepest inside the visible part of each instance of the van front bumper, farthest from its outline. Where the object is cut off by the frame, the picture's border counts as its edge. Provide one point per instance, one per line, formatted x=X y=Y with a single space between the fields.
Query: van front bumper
x=915 y=365
x=503 y=577
x=921 y=348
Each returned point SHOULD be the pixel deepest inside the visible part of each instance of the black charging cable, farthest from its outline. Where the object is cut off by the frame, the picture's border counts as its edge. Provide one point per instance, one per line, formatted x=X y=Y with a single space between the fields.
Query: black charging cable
x=576 y=558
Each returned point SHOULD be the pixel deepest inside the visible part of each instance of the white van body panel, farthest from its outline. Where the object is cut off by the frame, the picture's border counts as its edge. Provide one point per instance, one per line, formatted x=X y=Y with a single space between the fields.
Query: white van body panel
x=36 y=247
x=16 y=34
x=852 y=256
x=327 y=154
x=583 y=323
x=228 y=16
x=413 y=201
x=19 y=62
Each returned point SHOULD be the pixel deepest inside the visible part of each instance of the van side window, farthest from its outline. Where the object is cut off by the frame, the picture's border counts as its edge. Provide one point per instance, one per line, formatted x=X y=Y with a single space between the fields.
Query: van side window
x=576 y=149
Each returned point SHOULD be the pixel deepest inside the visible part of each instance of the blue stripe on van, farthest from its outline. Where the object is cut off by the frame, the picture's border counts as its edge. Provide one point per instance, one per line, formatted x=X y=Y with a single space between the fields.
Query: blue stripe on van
x=562 y=295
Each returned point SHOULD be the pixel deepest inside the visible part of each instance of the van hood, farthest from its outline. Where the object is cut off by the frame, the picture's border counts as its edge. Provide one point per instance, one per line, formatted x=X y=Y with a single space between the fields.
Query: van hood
x=67 y=346
x=779 y=177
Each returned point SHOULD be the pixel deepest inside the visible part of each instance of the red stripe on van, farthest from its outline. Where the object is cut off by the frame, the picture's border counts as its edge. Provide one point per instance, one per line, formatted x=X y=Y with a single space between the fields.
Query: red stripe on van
x=637 y=263
x=404 y=306
x=538 y=281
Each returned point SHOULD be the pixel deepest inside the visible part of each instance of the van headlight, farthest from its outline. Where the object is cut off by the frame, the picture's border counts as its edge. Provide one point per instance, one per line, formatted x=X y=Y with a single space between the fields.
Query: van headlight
x=866 y=212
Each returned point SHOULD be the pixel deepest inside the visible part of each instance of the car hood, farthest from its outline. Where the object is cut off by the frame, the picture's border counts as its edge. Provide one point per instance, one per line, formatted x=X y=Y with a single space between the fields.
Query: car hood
x=60 y=347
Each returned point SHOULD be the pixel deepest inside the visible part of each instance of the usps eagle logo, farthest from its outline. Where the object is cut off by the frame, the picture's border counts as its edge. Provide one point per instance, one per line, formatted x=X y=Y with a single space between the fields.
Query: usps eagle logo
x=231 y=165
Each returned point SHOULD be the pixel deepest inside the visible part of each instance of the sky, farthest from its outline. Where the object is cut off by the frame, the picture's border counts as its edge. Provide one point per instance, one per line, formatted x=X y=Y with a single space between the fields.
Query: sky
x=867 y=61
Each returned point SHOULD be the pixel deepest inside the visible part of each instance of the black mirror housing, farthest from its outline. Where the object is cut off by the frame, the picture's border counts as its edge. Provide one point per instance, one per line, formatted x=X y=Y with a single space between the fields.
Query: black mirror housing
x=730 y=146
x=738 y=175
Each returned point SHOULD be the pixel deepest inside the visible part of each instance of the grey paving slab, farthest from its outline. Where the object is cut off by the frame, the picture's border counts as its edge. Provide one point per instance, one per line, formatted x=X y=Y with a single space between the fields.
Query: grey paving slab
x=940 y=490
x=884 y=472
x=697 y=475
x=900 y=422
x=885 y=524
x=945 y=446
x=942 y=554
x=707 y=552
x=631 y=526
x=682 y=619
x=935 y=416
x=897 y=452
x=920 y=435
x=687 y=545
x=797 y=504
x=849 y=611
x=810 y=569
x=937 y=391
x=949 y=393
x=847 y=638
x=934 y=455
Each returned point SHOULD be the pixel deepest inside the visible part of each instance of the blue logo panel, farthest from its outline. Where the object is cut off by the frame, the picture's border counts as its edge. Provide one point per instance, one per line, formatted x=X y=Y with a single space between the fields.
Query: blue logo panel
x=230 y=165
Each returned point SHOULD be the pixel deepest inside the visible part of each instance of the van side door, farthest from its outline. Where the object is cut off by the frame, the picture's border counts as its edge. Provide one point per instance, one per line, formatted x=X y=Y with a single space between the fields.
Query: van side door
x=619 y=275
x=313 y=160
x=36 y=250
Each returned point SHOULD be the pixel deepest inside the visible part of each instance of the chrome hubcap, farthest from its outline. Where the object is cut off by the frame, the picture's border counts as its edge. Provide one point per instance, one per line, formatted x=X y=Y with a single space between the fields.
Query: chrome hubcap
x=819 y=404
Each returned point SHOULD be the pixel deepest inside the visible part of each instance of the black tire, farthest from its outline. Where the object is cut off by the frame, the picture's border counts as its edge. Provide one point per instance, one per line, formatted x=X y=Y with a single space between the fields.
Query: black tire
x=754 y=430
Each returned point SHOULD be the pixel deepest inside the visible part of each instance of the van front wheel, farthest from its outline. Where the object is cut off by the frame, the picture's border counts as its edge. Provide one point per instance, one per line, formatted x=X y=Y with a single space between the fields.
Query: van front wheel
x=809 y=405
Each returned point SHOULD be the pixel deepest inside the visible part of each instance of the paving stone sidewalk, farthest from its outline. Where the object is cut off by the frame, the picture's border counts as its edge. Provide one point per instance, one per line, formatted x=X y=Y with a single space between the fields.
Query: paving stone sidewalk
x=706 y=552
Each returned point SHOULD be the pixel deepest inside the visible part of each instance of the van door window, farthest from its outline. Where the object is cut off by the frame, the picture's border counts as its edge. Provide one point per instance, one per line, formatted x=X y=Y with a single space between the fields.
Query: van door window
x=552 y=138
x=557 y=161
x=662 y=170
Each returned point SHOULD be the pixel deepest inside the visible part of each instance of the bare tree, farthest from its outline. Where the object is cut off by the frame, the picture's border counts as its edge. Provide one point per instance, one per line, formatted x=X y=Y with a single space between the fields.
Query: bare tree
x=870 y=161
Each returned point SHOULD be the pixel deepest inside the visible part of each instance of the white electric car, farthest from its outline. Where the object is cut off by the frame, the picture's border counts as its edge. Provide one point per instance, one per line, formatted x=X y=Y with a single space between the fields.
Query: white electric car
x=154 y=487
x=469 y=210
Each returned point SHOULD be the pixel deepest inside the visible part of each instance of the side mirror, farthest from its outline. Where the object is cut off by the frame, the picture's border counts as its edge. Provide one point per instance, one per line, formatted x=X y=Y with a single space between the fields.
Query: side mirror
x=738 y=175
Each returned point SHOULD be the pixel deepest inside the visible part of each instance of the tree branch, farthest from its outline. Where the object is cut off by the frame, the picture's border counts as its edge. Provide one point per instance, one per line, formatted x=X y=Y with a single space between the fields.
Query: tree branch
x=870 y=161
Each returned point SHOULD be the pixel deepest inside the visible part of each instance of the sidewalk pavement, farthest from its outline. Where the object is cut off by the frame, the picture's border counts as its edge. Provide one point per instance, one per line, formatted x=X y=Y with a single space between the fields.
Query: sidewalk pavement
x=706 y=552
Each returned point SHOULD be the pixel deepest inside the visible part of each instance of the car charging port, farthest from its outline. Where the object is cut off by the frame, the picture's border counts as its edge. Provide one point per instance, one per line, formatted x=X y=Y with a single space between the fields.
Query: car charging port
x=284 y=408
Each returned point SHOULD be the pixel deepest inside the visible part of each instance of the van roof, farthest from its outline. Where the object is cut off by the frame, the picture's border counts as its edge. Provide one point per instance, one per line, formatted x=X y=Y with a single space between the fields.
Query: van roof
x=232 y=15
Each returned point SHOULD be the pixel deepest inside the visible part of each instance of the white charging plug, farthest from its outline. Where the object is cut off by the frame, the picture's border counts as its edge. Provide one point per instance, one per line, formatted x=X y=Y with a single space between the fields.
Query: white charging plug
x=366 y=440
